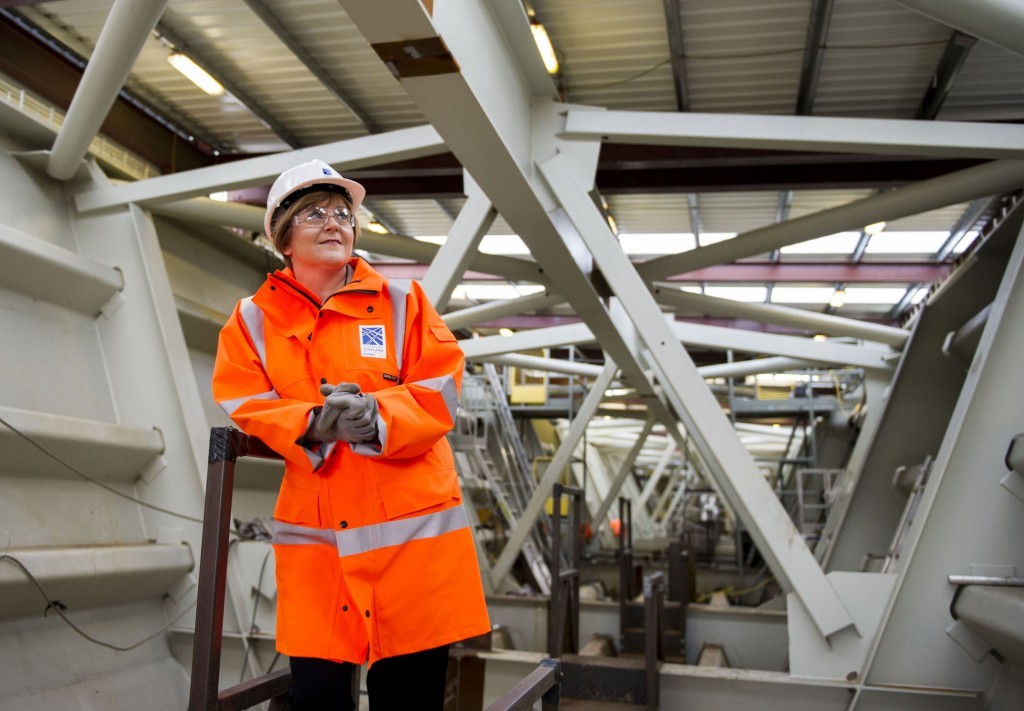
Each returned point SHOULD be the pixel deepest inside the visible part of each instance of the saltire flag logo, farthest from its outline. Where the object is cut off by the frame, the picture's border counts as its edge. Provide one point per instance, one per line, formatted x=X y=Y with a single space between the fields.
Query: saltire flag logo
x=371 y=342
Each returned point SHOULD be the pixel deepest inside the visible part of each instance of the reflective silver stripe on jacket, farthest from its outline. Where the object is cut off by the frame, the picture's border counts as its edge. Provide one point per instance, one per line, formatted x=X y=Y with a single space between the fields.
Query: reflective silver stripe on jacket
x=353 y=541
x=252 y=317
x=446 y=386
x=399 y=290
x=290 y=534
x=229 y=406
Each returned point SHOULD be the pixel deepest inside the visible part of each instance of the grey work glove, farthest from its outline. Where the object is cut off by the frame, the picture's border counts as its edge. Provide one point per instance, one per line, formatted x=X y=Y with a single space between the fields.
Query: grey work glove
x=348 y=415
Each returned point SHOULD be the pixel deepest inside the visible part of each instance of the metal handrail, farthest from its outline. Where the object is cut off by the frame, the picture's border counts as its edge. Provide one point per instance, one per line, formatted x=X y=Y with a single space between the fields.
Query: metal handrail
x=544 y=683
x=654 y=612
x=565 y=584
x=226 y=445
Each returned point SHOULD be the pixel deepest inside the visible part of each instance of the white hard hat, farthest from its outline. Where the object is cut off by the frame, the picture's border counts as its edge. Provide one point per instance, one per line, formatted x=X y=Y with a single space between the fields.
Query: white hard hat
x=290 y=184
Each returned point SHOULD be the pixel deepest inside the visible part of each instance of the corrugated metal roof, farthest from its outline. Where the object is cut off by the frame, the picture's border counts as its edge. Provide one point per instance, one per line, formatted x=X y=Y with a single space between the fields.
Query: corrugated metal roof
x=878 y=60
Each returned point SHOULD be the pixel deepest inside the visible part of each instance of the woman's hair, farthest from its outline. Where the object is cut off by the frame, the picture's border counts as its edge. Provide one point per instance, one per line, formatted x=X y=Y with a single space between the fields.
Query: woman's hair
x=281 y=225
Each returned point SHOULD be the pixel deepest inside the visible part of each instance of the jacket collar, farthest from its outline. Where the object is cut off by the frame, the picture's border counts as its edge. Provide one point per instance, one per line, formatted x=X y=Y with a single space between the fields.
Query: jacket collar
x=283 y=298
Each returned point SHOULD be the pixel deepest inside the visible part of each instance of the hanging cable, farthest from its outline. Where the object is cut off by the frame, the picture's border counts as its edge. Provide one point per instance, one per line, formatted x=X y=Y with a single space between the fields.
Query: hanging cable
x=58 y=607
x=252 y=622
x=97 y=482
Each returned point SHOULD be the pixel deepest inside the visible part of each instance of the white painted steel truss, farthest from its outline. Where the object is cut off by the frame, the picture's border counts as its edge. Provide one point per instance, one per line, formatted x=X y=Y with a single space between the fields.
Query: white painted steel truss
x=534 y=161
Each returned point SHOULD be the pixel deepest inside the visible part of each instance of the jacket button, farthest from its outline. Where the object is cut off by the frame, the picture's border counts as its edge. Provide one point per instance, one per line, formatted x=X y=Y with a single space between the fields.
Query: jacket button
x=344 y=608
x=343 y=524
x=323 y=381
x=367 y=613
x=273 y=288
x=369 y=309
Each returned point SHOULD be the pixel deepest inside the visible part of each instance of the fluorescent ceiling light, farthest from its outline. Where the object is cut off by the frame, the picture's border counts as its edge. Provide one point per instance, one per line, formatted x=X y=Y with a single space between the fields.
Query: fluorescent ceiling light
x=432 y=239
x=886 y=295
x=375 y=226
x=656 y=244
x=839 y=243
x=707 y=238
x=195 y=74
x=838 y=299
x=907 y=242
x=802 y=294
x=749 y=294
x=966 y=241
x=874 y=228
x=494 y=292
x=544 y=46
x=503 y=245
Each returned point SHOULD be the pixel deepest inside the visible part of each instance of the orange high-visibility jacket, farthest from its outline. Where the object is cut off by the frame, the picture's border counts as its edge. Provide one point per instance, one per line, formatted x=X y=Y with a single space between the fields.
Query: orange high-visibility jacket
x=373 y=547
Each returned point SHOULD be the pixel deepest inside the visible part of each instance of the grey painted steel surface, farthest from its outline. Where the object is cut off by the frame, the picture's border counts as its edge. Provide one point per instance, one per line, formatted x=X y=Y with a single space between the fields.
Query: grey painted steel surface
x=963 y=486
x=914 y=414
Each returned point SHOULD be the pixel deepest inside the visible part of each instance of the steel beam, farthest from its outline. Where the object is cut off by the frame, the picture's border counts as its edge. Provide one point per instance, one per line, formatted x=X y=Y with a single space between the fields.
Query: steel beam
x=730 y=464
x=803 y=133
x=473 y=315
x=493 y=121
x=550 y=365
x=1000 y=22
x=945 y=74
x=814 y=49
x=572 y=334
x=345 y=155
x=674 y=25
x=782 y=316
x=714 y=337
x=250 y=217
x=455 y=255
x=756 y=366
x=980 y=181
x=735 y=339
x=124 y=33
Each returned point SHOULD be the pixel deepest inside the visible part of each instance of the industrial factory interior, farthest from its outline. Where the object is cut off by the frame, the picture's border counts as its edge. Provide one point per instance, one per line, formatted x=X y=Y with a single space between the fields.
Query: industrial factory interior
x=738 y=283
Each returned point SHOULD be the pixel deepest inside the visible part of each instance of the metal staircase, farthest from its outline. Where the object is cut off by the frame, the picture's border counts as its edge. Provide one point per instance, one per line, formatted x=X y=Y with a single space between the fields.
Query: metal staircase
x=495 y=469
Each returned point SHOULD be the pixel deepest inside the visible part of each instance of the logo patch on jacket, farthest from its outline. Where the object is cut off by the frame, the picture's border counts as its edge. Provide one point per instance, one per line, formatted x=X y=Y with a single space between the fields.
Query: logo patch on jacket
x=371 y=342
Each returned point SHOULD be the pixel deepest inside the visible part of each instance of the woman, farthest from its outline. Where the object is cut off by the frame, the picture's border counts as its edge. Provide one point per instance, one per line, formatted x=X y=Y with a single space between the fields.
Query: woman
x=354 y=380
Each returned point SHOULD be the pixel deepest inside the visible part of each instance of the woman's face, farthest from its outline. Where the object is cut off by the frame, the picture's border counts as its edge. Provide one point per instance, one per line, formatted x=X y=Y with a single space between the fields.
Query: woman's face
x=317 y=244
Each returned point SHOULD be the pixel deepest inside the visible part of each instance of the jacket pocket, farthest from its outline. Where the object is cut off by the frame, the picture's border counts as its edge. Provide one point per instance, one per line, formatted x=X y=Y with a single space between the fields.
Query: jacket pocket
x=296 y=504
x=419 y=492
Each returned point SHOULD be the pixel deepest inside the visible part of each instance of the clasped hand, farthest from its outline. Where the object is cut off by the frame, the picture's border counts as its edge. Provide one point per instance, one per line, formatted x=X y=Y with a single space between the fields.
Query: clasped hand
x=348 y=414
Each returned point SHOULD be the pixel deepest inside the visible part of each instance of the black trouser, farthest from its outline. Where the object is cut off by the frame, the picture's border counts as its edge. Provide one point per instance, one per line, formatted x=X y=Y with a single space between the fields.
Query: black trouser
x=410 y=681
